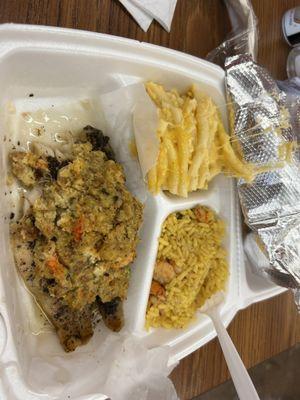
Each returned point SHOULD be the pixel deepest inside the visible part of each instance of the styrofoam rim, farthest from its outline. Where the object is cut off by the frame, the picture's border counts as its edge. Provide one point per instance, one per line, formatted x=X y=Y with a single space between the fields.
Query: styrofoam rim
x=3 y=334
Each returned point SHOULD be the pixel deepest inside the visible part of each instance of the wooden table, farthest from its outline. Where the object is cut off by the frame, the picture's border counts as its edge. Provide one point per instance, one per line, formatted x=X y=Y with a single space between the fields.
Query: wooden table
x=263 y=329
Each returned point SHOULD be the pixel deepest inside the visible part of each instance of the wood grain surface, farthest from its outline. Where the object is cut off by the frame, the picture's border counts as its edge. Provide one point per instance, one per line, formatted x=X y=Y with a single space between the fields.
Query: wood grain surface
x=263 y=329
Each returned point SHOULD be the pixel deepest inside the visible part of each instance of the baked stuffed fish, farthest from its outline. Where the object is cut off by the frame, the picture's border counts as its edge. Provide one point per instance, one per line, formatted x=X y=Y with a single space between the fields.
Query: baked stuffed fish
x=75 y=243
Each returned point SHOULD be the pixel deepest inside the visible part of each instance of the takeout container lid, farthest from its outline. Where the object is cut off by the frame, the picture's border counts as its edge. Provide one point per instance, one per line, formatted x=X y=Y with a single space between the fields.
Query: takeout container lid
x=40 y=56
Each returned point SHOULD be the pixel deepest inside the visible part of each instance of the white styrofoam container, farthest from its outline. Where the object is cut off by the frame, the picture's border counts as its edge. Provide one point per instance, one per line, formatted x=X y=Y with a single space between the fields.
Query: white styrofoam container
x=37 y=59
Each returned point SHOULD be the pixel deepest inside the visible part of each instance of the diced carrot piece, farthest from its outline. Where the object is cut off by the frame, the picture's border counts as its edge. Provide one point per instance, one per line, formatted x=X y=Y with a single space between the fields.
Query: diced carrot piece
x=78 y=229
x=54 y=265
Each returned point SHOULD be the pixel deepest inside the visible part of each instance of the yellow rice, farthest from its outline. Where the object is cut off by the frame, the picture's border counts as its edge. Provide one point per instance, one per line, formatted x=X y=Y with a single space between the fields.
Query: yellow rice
x=195 y=247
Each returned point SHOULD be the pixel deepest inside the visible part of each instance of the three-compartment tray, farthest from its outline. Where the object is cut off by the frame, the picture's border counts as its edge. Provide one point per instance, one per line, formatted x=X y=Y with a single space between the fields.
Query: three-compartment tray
x=35 y=58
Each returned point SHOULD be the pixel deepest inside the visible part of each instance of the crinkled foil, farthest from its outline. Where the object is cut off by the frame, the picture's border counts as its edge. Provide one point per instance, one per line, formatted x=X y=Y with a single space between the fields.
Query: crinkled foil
x=262 y=131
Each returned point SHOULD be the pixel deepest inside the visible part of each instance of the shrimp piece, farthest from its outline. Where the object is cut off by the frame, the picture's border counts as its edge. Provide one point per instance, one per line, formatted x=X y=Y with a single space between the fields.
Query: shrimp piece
x=157 y=289
x=201 y=214
x=163 y=272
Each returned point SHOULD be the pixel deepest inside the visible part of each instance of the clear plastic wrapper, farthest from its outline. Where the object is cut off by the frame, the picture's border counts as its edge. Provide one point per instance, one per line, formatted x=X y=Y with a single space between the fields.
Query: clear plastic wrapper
x=292 y=89
x=244 y=35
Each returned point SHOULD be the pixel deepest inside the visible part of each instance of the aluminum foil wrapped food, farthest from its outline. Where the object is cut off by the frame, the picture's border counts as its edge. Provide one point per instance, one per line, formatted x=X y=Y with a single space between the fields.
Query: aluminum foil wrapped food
x=262 y=131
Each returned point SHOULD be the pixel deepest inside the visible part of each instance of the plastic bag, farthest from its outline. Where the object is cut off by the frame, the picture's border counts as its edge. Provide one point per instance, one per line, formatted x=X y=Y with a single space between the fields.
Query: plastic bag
x=244 y=35
x=292 y=89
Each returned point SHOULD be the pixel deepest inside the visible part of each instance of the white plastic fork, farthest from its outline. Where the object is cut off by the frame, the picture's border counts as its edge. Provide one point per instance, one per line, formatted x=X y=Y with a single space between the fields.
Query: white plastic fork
x=239 y=374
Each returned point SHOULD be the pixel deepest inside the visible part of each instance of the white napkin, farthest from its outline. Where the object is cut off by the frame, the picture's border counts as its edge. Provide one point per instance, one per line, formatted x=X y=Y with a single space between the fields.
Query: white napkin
x=143 y=19
x=122 y=368
x=144 y=11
